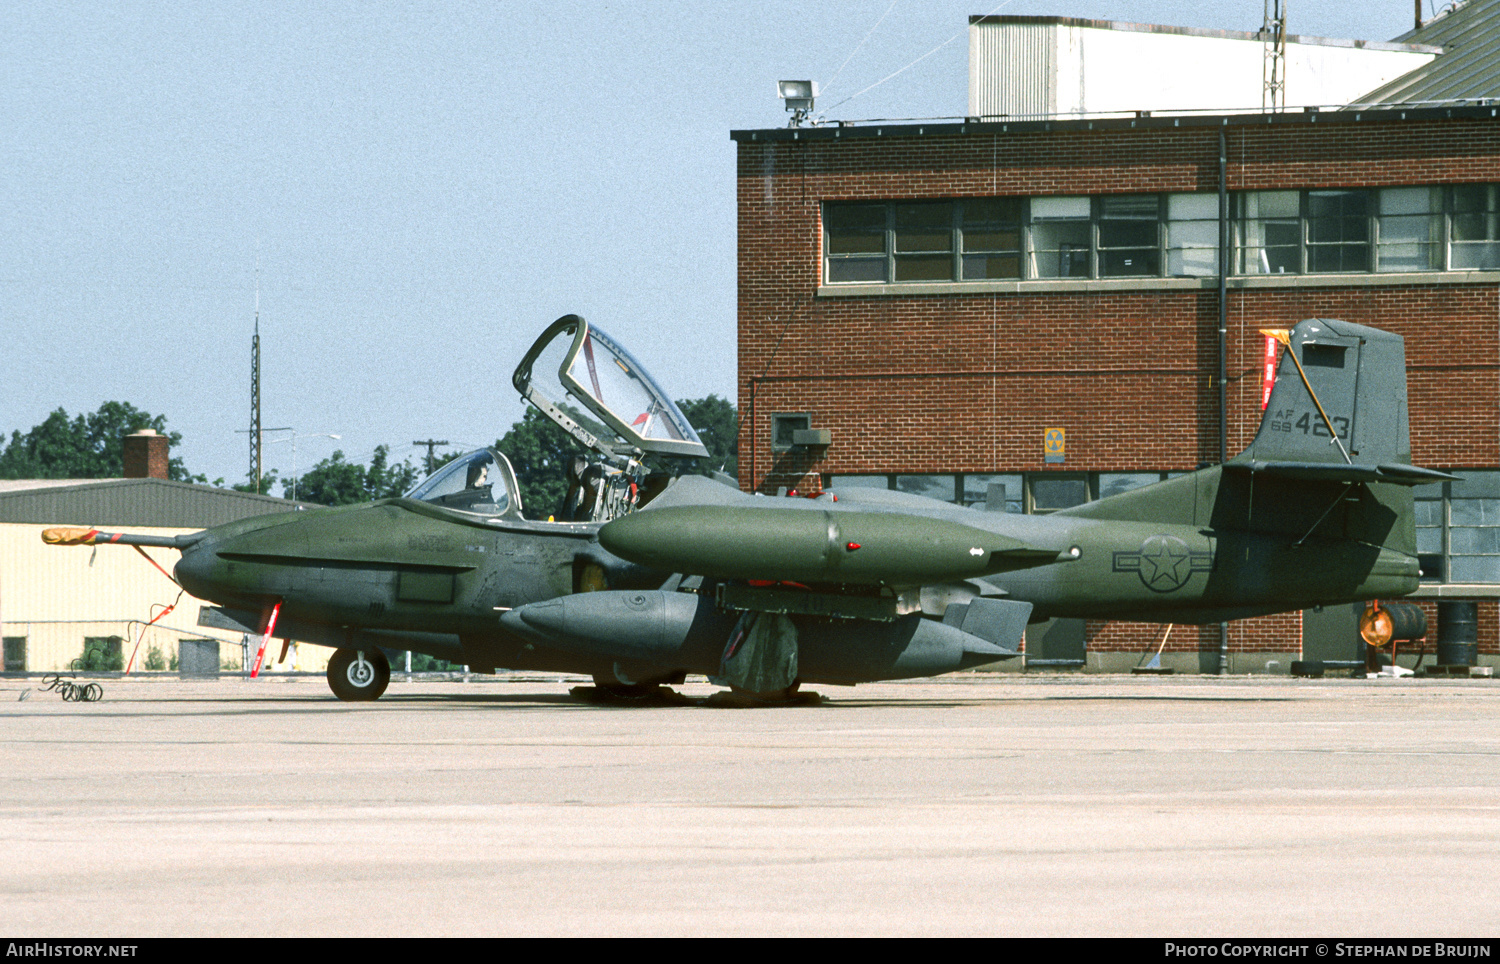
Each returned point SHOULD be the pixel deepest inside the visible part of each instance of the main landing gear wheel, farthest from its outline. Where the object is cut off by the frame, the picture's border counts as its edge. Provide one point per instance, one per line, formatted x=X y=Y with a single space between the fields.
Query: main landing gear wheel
x=625 y=691
x=610 y=691
x=358 y=675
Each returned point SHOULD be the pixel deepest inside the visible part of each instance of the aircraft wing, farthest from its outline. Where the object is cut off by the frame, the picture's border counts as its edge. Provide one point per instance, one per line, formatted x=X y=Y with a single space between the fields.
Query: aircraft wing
x=857 y=569
x=1398 y=473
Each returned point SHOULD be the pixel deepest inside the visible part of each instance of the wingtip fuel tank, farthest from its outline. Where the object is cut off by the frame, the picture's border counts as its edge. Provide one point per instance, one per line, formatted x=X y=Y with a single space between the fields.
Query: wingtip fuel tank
x=809 y=543
x=656 y=628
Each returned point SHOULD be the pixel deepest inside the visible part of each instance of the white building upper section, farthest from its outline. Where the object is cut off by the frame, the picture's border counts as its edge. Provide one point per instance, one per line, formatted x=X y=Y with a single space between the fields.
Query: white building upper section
x=1048 y=66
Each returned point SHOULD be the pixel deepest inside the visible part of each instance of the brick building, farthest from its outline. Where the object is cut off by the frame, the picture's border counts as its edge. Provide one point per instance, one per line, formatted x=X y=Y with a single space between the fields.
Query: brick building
x=940 y=296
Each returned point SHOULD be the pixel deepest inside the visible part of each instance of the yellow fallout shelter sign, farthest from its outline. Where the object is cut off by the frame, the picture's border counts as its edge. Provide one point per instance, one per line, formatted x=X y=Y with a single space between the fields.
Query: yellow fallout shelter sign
x=1055 y=445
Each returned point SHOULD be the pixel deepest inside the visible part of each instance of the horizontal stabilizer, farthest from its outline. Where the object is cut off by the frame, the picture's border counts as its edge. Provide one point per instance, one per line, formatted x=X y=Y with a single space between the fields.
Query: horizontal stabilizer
x=1395 y=473
x=976 y=646
x=1000 y=622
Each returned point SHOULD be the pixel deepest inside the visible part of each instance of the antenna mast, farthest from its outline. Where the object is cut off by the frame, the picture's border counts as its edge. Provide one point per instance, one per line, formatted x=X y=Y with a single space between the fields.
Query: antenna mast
x=1273 y=73
x=255 y=463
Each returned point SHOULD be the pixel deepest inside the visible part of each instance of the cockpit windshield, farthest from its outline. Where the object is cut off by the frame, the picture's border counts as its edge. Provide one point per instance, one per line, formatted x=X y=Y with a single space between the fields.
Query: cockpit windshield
x=482 y=482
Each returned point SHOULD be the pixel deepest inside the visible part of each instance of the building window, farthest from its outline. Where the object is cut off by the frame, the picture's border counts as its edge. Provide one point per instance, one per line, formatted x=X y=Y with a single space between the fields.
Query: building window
x=102 y=654
x=1474 y=225
x=1050 y=491
x=1022 y=492
x=1409 y=229
x=855 y=242
x=1458 y=528
x=974 y=238
x=1322 y=231
x=1192 y=235
x=784 y=429
x=940 y=487
x=976 y=489
x=1338 y=231
x=856 y=481
x=922 y=240
x=1129 y=235
x=990 y=232
x=1118 y=483
x=1474 y=528
x=1268 y=233
x=15 y=654
x=1060 y=237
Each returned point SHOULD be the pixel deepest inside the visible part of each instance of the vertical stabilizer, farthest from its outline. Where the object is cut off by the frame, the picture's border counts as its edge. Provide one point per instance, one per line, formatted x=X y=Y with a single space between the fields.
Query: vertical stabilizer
x=1336 y=379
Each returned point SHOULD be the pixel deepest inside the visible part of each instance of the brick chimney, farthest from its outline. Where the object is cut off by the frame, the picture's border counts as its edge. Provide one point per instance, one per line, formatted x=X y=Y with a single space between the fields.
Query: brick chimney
x=146 y=455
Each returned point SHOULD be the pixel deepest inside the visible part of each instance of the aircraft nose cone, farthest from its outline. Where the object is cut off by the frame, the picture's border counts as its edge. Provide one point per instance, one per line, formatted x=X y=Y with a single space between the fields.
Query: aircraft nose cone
x=549 y=615
x=194 y=571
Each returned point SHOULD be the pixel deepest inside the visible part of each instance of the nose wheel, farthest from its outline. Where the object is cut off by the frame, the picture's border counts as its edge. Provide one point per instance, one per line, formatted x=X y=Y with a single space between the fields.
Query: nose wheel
x=358 y=675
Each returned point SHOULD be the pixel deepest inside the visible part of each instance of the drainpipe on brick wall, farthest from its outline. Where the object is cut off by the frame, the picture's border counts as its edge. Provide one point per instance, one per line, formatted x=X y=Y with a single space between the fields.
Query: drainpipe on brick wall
x=1223 y=346
x=754 y=486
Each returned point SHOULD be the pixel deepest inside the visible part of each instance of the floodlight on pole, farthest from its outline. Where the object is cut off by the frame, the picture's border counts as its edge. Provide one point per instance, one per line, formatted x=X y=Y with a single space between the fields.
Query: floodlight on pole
x=293 y=439
x=799 y=96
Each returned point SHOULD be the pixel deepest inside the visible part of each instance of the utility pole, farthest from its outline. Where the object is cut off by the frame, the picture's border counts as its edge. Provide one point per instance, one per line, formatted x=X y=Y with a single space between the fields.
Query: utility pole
x=431 y=444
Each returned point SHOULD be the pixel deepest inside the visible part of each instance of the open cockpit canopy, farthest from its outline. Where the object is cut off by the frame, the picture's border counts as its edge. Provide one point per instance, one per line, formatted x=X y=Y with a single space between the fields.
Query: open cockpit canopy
x=589 y=384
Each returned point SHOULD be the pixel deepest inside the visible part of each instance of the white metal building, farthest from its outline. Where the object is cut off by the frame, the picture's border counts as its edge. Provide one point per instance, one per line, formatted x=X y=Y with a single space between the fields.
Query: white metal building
x=1047 y=66
x=56 y=600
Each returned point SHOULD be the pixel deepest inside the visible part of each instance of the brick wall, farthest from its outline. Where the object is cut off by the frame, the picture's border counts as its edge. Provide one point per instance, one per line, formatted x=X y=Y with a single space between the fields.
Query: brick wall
x=968 y=382
x=146 y=455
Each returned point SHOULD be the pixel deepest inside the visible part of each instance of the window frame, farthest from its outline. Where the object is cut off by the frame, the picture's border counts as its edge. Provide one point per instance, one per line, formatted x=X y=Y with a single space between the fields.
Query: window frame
x=1248 y=234
x=1022 y=498
x=1443 y=495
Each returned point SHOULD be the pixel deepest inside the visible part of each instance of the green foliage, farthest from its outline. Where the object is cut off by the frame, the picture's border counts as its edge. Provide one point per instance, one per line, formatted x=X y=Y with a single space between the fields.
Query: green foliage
x=540 y=452
x=718 y=426
x=155 y=661
x=102 y=654
x=335 y=481
x=420 y=663
x=85 y=446
x=268 y=480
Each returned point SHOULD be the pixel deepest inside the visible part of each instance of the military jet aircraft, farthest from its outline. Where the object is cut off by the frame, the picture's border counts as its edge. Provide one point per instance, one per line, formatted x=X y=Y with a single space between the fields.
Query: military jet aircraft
x=652 y=577
x=432 y=572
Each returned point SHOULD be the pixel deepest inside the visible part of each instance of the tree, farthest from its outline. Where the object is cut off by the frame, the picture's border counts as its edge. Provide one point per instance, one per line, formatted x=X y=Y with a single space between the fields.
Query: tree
x=335 y=481
x=541 y=453
x=268 y=482
x=85 y=446
x=718 y=426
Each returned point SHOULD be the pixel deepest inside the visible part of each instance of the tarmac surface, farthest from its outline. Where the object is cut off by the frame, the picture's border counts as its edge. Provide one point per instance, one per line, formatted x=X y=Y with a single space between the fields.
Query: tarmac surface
x=986 y=805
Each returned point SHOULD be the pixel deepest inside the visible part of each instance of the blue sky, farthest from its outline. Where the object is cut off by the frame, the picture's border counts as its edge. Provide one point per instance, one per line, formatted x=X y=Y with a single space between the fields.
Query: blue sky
x=425 y=186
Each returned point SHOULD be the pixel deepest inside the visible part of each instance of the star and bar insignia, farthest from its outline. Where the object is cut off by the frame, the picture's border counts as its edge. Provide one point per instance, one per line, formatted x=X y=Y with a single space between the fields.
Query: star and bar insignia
x=1164 y=563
